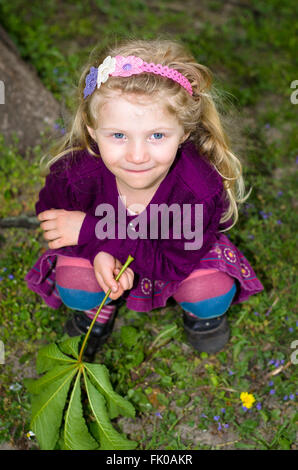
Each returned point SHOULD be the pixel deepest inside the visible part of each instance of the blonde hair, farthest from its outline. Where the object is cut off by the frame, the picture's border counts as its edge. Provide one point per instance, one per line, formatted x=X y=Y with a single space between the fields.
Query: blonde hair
x=198 y=114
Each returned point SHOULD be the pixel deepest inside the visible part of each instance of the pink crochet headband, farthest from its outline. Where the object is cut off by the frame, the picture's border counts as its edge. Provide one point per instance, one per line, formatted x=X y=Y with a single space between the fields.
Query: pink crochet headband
x=120 y=66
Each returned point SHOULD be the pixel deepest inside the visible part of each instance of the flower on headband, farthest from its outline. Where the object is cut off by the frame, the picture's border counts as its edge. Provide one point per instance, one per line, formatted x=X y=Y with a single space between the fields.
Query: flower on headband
x=126 y=66
x=105 y=69
x=90 y=82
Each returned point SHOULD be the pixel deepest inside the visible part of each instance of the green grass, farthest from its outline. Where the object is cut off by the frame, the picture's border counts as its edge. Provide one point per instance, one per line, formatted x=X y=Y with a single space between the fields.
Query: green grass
x=184 y=400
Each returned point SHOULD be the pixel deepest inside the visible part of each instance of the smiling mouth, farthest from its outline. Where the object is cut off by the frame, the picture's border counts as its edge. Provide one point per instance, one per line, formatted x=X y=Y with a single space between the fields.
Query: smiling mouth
x=138 y=171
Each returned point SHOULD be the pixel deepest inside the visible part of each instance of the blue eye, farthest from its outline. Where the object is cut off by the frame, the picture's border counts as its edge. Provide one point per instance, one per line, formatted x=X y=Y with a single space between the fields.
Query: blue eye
x=159 y=134
x=117 y=134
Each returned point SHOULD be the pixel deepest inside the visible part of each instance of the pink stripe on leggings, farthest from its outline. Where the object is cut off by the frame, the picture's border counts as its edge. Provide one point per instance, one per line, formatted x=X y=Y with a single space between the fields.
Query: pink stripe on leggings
x=203 y=284
x=76 y=273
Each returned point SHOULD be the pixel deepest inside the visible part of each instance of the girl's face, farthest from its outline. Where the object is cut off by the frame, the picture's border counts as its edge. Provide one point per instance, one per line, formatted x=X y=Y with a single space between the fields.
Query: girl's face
x=137 y=142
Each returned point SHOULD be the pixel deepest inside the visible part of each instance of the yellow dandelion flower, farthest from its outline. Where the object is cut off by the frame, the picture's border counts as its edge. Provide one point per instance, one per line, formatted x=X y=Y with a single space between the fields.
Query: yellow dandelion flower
x=247 y=399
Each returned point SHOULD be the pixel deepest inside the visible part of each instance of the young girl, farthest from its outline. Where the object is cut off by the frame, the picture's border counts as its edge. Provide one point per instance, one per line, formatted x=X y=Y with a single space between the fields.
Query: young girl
x=146 y=134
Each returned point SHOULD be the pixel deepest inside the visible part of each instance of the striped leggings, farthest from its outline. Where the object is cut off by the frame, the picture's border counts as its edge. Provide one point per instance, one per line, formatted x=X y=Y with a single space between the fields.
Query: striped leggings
x=205 y=293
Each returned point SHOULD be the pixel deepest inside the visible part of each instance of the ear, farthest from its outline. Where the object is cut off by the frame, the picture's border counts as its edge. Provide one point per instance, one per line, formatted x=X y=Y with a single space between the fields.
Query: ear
x=184 y=138
x=91 y=132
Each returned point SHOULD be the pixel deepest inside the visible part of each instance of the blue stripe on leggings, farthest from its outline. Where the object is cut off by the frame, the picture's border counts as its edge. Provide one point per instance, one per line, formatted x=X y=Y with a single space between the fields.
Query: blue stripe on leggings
x=81 y=299
x=210 y=308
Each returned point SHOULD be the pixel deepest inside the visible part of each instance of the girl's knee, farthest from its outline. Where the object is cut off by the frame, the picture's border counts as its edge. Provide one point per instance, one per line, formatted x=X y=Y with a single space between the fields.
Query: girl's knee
x=211 y=307
x=206 y=293
x=80 y=299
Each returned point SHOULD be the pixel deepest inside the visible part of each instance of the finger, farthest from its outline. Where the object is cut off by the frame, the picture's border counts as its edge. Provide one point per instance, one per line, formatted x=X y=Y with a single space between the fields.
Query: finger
x=130 y=275
x=55 y=244
x=51 y=235
x=101 y=282
x=105 y=287
x=126 y=280
x=128 y=272
x=111 y=282
x=48 y=225
x=48 y=214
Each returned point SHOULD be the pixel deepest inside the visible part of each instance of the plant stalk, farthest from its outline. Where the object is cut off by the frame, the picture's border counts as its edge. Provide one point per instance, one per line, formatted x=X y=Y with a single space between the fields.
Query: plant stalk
x=126 y=264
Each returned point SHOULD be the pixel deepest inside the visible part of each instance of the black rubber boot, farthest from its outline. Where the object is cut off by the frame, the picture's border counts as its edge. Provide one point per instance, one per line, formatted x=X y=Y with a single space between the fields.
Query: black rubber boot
x=209 y=335
x=79 y=323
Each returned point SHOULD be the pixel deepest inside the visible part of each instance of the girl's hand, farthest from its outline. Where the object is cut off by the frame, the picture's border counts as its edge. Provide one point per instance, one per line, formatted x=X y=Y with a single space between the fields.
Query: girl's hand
x=106 y=268
x=61 y=227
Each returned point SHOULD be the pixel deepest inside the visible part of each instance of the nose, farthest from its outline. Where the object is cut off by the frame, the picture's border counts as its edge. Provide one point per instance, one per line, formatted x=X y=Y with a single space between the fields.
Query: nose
x=137 y=153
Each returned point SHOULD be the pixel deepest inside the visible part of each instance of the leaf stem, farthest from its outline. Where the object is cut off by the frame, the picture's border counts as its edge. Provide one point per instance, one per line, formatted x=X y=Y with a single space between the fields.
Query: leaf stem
x=127 y=263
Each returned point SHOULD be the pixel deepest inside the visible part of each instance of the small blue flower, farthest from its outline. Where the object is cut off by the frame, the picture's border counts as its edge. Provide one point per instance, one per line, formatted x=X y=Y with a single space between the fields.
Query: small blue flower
x=219 y=427
x=256 y=313
x=270 y=383
x=272 y=391
x=226 y=425
x=10 y=276
x=1 y=278
x=291 y=330
x=216 y=418
x=279 y=222
x=291 y=397
x=259 y=406
x=223 y=410
x=158 y=415
x=285 y=397
x=264 y=214
x=280 y=193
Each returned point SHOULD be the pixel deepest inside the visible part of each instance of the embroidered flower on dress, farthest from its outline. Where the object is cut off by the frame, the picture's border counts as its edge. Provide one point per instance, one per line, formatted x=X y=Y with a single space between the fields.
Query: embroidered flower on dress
x=158 y=284
x=126 y=66
x=146 y=286
x=216 y=250
x=230 y=255
x=245 y=271
x=105 y=69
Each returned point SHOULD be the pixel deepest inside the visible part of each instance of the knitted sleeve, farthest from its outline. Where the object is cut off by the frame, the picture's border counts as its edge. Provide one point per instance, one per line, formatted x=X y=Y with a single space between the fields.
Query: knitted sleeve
x=57 y=192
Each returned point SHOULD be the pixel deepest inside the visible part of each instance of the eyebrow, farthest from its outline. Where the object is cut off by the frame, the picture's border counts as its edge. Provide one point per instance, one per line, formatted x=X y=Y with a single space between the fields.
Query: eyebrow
x=152 y=130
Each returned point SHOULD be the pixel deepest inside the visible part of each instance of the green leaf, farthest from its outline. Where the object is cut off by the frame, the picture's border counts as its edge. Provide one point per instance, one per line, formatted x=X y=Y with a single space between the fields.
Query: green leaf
x=238 y=348
x=76 y=434
x=117 y=405
x=50 y=356
x=167 y=333
x=129 y=336
x=47 y=410
x=37 y=386
x=108 y=437
x=70 y=346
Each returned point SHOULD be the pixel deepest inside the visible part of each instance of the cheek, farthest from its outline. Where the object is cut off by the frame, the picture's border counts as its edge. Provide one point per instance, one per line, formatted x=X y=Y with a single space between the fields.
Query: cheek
x=166 y=155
